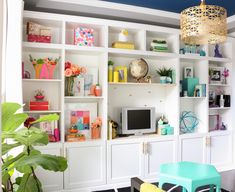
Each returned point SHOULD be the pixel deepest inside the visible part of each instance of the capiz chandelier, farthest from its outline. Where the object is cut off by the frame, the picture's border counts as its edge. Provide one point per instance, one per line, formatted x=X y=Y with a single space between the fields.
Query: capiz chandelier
x=203 y=24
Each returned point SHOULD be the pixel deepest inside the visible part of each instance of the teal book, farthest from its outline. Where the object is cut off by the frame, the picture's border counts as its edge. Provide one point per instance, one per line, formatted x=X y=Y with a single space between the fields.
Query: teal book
x=189 y=84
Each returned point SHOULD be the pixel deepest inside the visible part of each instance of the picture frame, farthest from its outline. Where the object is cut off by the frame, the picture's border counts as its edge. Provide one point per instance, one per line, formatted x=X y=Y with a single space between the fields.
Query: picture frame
x=91 y=78
x=122 y=71
x=198 y=91
x=78 y=87
x=81 y=115
x=216 y=75
x=48 y=127
x=188 y=72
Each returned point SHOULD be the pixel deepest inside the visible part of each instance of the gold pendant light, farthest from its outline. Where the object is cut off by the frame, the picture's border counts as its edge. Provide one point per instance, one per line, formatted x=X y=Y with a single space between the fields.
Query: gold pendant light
x=203 y=24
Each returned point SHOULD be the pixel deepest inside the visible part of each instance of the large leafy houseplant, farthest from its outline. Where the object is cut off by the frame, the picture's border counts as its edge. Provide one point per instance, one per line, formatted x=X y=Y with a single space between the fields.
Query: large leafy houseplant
x=25 y=158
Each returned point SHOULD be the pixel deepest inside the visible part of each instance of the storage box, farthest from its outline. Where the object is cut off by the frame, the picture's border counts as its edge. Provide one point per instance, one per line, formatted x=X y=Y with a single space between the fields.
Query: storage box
x=38 y=105
x=189 y=84
x=83 y=36
x=38 y=33
x=39 y=38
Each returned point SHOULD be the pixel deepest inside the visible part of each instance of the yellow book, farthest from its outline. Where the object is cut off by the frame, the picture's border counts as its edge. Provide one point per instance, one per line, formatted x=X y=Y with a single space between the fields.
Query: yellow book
x=123 y=45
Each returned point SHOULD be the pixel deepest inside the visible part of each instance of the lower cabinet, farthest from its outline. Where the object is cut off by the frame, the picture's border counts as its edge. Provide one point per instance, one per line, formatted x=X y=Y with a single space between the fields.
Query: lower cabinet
x=86 y=165
x=157 y=153
x=221 y=153
x=192 y=148
x=51 y=181
x=125 y=160
x=138 y=158
x=213 y=148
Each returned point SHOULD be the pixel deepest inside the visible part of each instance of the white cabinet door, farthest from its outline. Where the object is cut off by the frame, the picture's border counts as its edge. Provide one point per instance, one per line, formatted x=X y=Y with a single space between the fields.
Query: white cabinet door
x=51 y=181
x=192 y=149
x=86 y=165
x=125 y=160
x=157 y=153
x=221 y=150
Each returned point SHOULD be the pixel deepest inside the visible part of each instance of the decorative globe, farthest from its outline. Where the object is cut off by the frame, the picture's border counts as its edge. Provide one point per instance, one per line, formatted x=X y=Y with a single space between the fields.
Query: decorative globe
x=138 y=69
x=188 y=122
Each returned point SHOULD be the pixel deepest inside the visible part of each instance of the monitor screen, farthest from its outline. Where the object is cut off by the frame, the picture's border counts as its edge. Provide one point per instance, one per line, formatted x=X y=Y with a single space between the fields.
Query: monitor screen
x=138 y=119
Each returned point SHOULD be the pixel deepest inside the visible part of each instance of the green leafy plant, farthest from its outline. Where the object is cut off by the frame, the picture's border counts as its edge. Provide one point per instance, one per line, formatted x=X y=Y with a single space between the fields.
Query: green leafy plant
x=23 y=140
x=110 y=62
x=164 y=72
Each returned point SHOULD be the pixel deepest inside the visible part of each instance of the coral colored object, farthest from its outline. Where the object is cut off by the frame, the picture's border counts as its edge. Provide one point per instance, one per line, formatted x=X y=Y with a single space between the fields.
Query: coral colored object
x=83 y=36
x=98 y=91
x=96 y=128
x=44 y=72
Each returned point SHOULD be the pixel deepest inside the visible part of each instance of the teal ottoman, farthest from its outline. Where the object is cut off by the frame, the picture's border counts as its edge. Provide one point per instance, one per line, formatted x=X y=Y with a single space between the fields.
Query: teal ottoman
x=190 y=176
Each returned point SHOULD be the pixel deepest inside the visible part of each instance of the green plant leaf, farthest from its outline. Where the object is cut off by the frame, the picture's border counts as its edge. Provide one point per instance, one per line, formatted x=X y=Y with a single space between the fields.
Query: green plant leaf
x=51 y=117
x=7 y=165
x=48 y=162
x=7 y=147
x=10 y=120
x=25 y=182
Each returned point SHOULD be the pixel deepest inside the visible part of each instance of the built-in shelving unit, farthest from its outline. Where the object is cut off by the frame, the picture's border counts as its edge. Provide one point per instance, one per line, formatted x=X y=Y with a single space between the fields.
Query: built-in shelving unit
x=96 y=162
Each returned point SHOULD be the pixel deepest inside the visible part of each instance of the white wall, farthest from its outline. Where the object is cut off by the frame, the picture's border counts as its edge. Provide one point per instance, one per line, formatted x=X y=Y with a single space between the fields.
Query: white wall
x=13 y=79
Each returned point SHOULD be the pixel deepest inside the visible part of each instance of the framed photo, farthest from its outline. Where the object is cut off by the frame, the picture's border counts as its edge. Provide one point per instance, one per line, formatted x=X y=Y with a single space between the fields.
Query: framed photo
x=198 y=91
x=216 y=75
x=188 y=72
x=48 y=127
x=80 y=115
x=78 y=88
x=122 y=71
x=91 y=78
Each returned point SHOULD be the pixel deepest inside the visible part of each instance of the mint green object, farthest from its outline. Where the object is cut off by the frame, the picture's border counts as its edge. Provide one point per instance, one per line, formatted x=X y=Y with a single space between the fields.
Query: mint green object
x=190 y=176
x=189 y=84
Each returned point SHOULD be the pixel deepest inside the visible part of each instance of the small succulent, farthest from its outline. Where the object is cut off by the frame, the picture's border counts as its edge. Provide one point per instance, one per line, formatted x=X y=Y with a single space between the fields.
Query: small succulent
x=164 y=72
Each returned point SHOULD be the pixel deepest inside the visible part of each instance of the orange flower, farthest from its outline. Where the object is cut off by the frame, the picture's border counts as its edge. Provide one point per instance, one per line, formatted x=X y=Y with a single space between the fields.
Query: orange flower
x=68 y=73
x=83 y=70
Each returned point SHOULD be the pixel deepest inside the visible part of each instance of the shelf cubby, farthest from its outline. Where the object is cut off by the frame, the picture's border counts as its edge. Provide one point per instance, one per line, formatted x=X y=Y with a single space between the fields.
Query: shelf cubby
x=171 y=39
x=54 y=25
x=136 y=36
x=98 y=33
x=51 y=91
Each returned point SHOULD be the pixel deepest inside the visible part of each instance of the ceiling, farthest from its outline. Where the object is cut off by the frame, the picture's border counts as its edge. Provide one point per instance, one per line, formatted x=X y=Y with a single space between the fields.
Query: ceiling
x=178 y=5
x=156 y=12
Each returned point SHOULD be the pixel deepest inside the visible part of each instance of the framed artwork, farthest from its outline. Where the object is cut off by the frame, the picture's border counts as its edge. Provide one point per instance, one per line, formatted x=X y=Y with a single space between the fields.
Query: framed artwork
x=188 y=72
x=214 y=122
x=216 y=75
x=122 y=71
x=78 y=87
x=80 y=115
x=48 y=127
x=198 y=91
x=91 y=78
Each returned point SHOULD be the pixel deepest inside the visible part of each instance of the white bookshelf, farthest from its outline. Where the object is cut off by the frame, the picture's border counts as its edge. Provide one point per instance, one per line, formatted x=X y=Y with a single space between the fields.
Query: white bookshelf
x=164 y=97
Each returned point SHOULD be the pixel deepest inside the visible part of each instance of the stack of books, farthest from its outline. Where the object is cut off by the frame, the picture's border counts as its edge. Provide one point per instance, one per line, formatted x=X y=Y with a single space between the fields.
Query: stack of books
x=159 y=46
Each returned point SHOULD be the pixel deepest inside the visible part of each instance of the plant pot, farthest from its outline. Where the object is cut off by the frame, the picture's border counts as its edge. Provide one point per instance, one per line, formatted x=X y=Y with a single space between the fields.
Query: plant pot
x=163 y=79
x=168 y=80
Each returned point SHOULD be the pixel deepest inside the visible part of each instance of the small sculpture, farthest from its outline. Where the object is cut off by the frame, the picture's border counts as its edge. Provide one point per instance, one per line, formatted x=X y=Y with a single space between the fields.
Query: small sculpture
x=217 y=52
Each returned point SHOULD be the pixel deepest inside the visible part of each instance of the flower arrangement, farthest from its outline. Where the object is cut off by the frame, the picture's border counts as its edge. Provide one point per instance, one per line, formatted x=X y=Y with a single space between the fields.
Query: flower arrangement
x=70 y=72
x=44 y=68
x=225 y=74
x=73 y=70
x=95 y=128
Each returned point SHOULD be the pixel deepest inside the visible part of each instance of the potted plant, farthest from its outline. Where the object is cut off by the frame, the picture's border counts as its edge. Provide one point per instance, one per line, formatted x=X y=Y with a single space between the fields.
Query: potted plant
x=26 y=158
x=165 y=75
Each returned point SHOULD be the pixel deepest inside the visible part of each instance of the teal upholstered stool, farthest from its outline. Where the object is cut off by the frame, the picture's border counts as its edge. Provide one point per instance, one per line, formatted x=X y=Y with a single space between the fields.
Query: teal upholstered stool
x=190 y=176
